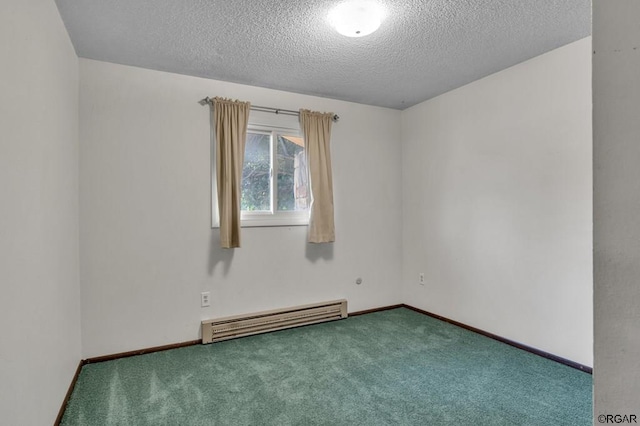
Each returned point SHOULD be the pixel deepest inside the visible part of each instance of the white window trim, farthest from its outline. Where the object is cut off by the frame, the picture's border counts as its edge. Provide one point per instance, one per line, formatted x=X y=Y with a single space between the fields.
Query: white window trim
x=258 y=218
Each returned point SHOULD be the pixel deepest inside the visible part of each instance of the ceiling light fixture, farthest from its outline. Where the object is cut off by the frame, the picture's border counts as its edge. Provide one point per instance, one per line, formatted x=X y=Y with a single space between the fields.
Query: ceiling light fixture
x=356 y=18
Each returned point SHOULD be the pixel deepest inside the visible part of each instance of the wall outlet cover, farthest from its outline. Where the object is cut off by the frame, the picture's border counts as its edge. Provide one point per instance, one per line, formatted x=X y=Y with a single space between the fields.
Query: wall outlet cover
x=204 y=299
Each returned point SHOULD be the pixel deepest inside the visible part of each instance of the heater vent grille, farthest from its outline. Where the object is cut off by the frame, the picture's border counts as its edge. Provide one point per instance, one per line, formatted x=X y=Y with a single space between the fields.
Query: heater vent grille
x=216 y=330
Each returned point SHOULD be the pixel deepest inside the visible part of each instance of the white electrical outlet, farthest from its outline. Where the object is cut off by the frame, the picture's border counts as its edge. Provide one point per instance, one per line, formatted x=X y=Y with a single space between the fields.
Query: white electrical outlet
x=421 y=278
x=204 y=299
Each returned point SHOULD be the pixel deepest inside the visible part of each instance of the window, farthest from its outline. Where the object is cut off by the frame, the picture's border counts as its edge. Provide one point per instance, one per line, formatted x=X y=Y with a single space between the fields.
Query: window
x=275 y=182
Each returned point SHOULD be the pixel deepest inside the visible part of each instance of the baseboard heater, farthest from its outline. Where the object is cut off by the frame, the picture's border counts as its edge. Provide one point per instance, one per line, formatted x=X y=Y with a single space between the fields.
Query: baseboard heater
x=216 y=330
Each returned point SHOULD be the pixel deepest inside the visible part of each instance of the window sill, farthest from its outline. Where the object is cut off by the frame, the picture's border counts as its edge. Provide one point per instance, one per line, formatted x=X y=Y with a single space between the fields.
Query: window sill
x=264 y=224
x=257 y=220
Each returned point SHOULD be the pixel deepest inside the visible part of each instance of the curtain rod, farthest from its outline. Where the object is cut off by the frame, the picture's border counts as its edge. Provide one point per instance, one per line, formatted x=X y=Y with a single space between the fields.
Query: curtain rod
x=208 y=100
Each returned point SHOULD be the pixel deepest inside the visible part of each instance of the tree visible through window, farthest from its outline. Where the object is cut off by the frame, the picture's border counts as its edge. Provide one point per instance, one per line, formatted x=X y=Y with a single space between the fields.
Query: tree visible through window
x=274 y=178
x=256 y=173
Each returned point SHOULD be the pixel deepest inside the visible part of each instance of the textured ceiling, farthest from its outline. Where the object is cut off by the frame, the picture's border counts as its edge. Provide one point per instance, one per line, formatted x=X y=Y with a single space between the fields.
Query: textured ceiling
x=423 y=48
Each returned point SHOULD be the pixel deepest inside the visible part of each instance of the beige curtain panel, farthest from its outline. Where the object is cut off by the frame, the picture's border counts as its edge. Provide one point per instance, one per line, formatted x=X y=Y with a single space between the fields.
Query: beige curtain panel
x=231 y=119
x=316 y=128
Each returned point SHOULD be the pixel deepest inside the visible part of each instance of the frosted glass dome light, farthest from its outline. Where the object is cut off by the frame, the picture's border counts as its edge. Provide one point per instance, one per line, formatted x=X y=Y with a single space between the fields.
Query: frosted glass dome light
x=356 y=18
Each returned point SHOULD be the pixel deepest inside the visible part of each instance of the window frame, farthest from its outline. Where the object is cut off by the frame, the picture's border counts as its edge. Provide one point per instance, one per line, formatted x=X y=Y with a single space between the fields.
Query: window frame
x=274 y=217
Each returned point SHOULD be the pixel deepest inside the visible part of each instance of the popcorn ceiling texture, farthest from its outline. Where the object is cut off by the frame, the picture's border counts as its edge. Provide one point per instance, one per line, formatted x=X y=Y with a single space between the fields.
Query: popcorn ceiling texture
x=423 y=48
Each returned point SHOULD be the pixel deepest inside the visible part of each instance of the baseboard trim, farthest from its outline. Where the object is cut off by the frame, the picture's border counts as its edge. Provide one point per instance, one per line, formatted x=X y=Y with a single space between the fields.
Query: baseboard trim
x=112 y=357
x=63 y=407
x=140 y=352
x=370 y=311
x=119 y=355
x=535 y=351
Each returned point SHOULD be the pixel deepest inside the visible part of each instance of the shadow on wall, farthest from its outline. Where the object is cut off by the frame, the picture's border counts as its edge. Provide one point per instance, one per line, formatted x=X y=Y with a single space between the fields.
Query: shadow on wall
x=315 y=252
x=218 y=255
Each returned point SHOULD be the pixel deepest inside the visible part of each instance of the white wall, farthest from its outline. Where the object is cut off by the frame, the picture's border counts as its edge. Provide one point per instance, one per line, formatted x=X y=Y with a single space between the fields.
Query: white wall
x=497 y=203
x=616 y=150
x=39 y=306
x=147 y=250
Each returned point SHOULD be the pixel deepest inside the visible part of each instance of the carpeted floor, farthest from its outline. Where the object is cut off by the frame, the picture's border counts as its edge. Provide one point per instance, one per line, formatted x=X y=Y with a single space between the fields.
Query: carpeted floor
x=395 y=367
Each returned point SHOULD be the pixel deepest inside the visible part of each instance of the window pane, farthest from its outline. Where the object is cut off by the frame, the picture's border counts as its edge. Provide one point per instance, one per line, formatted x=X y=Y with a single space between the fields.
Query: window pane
x=256 y=187
x=293 y=180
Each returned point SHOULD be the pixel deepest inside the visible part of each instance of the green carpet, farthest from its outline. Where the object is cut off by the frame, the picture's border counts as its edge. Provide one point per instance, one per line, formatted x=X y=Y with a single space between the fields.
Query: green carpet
x=395 y=367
